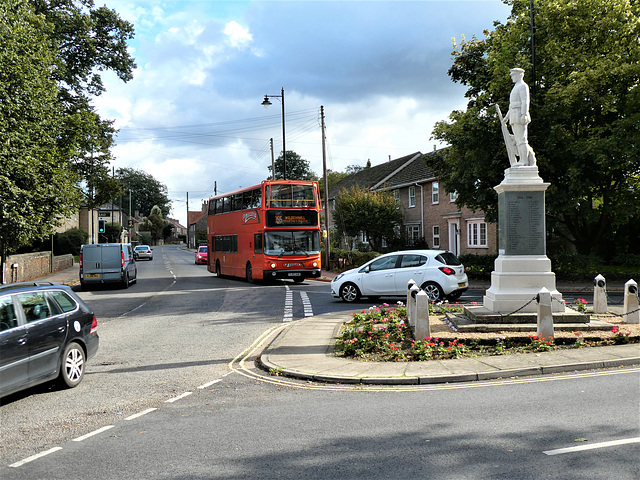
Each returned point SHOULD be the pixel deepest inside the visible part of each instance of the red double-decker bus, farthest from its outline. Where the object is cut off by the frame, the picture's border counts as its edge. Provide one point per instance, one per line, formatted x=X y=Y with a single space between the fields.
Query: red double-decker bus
x=267 y=231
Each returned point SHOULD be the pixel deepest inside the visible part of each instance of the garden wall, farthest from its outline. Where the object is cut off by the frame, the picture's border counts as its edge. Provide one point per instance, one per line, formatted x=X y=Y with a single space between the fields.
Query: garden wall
x=34 y=265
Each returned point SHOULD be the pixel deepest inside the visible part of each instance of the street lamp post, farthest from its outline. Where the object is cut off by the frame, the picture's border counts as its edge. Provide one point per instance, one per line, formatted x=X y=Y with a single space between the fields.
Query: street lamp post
x=266 y=103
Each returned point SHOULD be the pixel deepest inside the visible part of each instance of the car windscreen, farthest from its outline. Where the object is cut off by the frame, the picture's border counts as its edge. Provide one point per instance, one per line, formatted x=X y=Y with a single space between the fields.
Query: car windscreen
x=448 y=258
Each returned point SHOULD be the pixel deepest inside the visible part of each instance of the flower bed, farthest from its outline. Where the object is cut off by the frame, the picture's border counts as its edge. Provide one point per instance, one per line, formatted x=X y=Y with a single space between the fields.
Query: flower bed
x=381 y=333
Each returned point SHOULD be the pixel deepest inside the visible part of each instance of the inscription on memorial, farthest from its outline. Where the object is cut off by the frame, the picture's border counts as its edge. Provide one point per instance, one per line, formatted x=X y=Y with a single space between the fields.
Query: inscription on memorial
x=521 y=223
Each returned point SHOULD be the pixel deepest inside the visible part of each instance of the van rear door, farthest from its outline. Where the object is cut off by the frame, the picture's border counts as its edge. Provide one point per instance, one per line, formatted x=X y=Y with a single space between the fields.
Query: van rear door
x=111 y=262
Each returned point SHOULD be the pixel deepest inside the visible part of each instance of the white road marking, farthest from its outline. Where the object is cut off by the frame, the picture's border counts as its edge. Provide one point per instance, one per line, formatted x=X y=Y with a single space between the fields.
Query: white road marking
x=592 y=446
x=139 y=414
x=35 y=457
x=91 y=434
x=288 y=305
x=179 y=397
x=208 y=384
x=306 y=303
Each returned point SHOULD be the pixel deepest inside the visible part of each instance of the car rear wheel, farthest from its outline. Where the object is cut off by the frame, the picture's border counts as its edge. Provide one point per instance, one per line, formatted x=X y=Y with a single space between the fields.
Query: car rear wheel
x=72 y=368
x=125 y=282
x=434 y=291
x=349 y=292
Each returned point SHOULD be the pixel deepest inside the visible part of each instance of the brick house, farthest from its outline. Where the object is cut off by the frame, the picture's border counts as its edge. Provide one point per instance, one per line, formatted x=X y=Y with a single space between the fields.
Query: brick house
x=429 y=212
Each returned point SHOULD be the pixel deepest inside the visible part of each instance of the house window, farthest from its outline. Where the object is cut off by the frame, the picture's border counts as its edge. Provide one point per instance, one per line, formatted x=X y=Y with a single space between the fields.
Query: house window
x=412 y=196
x=413 y=233
x=453 y=197
x=477 y=234
x=436 y=236
x=396 y=195
x=435 y=193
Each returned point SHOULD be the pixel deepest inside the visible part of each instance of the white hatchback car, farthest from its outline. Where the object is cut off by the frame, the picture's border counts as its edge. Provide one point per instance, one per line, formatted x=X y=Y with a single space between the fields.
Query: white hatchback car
x=439 y=273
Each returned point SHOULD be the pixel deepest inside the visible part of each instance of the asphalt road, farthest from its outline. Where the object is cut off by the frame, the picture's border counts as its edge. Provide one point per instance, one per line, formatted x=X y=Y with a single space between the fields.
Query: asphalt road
x=173 y=393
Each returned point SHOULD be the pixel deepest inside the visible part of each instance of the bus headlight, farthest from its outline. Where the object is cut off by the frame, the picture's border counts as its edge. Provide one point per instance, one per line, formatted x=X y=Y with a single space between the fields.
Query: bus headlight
x=273 y=265
x=315 y=264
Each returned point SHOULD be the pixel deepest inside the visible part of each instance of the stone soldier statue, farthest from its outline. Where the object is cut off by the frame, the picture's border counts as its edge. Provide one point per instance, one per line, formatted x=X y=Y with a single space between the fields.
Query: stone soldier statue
x=518 y=117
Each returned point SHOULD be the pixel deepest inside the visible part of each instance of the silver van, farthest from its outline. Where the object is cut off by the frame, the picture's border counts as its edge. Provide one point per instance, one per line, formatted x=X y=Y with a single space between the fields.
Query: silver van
x=107 y=263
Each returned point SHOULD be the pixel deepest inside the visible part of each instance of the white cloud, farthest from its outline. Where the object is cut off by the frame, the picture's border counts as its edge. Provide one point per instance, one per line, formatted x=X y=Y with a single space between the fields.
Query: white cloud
x=237 y=35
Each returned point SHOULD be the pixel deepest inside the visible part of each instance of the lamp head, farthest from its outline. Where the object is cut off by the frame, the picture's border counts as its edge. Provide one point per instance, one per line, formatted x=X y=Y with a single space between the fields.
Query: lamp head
x=266 y=102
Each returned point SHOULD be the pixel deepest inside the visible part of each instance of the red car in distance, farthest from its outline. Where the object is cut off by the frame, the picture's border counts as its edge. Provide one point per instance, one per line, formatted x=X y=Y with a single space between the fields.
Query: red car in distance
x=201 y=255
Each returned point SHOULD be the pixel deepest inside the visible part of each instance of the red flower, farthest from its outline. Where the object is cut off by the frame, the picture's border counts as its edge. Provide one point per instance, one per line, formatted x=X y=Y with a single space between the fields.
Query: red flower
x=615 y=329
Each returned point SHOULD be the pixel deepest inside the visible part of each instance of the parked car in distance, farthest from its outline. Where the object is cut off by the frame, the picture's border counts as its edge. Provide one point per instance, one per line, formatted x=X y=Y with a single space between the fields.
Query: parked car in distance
x=143 y=251
x=201 y=255
x=46 y=333
x=439 y=273
x=107 y=263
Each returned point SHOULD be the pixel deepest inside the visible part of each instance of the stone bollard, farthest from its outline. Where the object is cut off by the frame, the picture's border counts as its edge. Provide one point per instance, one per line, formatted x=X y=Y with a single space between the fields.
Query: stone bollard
x=599 y=295
x=545 y=316
x=630 y=312
x=410 y=284
x=422 y=328
x=411 y=305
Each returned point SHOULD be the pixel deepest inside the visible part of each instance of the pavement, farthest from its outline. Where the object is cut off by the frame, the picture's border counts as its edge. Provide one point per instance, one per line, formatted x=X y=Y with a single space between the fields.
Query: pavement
x=303 y=349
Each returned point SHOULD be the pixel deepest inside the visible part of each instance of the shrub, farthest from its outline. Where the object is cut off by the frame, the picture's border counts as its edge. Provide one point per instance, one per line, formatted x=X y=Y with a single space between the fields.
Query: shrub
x=69 y=241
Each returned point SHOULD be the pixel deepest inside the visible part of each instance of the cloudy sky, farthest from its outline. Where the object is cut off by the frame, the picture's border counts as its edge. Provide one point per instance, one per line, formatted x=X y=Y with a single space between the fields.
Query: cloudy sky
x=192 y=116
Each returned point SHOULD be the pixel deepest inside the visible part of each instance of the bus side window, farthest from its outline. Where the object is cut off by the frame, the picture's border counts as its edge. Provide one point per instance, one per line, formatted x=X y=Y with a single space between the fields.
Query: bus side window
x=257 y=241
x=257 y=198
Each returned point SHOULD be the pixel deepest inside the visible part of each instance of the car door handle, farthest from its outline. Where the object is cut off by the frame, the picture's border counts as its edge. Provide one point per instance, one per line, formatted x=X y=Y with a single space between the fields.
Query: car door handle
x=22 y=341
x=62 y=329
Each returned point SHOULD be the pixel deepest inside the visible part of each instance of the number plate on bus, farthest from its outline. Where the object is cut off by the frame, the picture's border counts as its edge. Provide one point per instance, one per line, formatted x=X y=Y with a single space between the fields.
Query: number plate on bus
x=295 y=274
x=92 y=275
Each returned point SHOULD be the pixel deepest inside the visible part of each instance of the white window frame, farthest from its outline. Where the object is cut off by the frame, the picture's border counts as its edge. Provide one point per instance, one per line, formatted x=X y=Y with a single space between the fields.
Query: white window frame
x=453 y=197
x=412 y=197
x=435 y=237
x=413 y=233
x=477 y=234
x=435 y=193
x=396 y=195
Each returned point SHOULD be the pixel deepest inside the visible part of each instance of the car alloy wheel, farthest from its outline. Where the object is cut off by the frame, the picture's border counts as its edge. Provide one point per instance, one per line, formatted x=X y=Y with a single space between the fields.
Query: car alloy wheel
x=72 y=368
x=434 y=291
x=349 y=292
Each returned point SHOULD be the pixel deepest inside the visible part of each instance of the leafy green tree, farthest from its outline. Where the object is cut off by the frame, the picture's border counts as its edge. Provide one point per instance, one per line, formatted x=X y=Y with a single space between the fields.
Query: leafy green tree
x=373 y=213
x=585 y=118
x=146 y=192
x=88 y=40
x=36 y=186
x=297 y=167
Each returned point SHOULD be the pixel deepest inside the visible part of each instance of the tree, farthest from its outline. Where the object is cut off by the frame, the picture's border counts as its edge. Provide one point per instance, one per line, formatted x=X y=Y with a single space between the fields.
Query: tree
x=373 y=213
x=88 y=41
x=36 y=186
x=297 y=167
x=585 y=112
x=146 y=192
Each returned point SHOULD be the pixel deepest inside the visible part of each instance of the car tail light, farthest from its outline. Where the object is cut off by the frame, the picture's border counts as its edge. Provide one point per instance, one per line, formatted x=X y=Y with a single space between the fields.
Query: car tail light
x=447 y=270
x=80 y=260
x=122 y=259
x=94 y=325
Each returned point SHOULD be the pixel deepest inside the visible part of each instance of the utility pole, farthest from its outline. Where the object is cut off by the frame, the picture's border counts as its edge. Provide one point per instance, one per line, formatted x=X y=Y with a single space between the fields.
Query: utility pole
x=326 y=191
x=273 y=162
x=187 y=219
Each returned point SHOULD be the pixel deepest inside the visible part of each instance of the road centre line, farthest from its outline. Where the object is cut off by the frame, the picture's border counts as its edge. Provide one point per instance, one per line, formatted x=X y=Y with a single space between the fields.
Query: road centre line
x=35 y=457
x=139 y=414
x=592 y=446
x=179 y=397
x=208 y=384
x=91 y=434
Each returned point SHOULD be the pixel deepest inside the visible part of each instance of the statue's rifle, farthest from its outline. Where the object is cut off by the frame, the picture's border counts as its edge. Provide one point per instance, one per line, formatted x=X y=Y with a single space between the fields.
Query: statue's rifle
x=509 y=139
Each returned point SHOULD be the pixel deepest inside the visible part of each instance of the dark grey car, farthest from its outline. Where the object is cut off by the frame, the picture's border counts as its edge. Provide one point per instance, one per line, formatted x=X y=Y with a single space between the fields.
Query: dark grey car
x=46 y=332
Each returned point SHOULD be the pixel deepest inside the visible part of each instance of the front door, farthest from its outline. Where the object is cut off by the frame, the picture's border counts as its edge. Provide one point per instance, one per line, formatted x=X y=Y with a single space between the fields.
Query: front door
x=454 y=236
x=380 y=279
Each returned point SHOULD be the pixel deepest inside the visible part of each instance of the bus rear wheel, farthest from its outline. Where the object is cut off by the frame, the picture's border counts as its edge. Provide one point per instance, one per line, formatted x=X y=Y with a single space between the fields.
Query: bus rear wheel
x=249 y=273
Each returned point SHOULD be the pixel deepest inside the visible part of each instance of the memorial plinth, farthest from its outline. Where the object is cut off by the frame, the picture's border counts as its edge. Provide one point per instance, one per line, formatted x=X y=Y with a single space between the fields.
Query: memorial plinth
x=522 y=267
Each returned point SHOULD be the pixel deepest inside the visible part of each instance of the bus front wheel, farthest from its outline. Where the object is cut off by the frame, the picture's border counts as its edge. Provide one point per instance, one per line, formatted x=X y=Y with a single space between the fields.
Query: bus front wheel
x=249 y=272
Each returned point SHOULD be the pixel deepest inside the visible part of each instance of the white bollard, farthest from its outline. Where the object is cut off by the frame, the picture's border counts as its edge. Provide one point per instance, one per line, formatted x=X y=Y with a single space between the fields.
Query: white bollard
x=410 y=284
x=600 y=295
x=423 y=328
x=630 y=311
x=411 y=306
x=545 y=316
